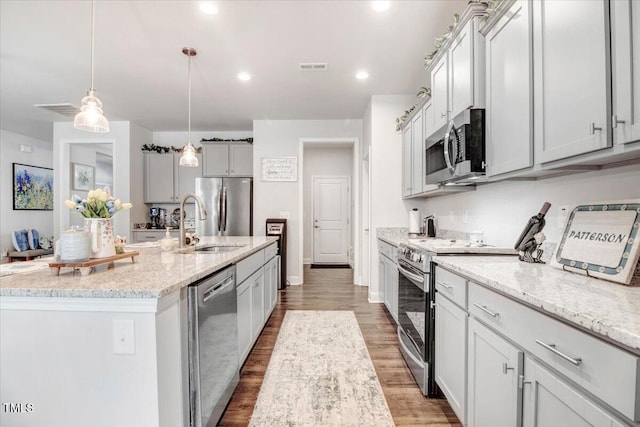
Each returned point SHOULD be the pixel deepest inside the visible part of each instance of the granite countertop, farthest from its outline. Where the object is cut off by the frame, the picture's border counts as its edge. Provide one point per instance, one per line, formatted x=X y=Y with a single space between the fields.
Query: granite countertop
x=393 y=235
x=607 y=309
x=154 y=273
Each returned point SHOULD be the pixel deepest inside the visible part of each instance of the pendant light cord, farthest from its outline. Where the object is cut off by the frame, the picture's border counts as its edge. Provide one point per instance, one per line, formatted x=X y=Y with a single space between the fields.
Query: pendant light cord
x=189 y=119
x=93 y=36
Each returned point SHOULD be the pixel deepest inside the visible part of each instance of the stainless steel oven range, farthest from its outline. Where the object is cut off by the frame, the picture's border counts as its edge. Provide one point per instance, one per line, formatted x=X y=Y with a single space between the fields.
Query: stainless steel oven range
x=416 y=314
x=416 y=301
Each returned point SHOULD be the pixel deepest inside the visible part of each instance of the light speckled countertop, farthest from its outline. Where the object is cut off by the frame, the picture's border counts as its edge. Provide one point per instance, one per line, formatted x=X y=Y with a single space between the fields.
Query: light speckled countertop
x=154 y=273
x=607 y=309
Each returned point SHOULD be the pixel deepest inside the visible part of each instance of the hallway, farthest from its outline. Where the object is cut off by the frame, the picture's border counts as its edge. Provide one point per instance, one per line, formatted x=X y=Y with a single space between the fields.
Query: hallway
x=332 y=289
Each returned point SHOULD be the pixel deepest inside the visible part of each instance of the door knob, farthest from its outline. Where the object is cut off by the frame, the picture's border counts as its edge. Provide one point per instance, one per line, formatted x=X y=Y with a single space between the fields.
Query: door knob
x=315 y=226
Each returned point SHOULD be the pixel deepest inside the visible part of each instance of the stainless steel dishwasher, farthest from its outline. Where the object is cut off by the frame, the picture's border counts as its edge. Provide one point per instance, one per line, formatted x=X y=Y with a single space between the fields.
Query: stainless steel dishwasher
x=213 y=346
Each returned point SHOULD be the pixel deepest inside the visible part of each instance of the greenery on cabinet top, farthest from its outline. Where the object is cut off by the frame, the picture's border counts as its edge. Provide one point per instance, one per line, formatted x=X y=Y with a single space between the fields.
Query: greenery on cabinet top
x=164 y=149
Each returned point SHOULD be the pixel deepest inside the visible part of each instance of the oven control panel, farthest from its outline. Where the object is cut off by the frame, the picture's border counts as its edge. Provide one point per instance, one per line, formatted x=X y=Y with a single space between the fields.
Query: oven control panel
x=417 y=258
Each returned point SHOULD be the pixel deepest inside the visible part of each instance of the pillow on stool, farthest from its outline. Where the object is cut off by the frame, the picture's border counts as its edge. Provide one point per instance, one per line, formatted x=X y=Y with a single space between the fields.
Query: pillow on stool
x=20 y=240
x=34 y=239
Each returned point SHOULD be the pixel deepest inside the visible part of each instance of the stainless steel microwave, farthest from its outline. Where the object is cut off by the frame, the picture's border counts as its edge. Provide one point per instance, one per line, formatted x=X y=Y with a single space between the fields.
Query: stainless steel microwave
x=458 y=156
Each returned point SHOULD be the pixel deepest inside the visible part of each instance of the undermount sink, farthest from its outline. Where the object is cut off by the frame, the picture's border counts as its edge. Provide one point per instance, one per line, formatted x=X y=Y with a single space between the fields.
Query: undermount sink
x=217 y=249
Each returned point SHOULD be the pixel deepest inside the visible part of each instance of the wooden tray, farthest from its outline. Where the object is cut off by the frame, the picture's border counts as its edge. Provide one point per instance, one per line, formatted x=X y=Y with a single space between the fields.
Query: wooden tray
x=86 y=267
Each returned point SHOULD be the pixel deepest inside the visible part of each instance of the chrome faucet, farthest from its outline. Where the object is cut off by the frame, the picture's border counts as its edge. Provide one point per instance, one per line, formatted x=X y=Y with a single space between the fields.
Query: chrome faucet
x=203 y=214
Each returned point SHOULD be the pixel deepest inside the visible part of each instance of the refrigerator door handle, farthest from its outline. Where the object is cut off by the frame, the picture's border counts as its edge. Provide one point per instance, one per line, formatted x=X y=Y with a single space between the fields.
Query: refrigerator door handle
x=224 y=201
x=219 y=211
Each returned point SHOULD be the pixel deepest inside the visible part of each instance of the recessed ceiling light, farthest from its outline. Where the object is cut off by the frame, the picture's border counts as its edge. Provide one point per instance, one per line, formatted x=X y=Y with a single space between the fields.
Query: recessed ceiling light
x=380 y=6
x=362 y=75
x=244 y=76
x=208 y=8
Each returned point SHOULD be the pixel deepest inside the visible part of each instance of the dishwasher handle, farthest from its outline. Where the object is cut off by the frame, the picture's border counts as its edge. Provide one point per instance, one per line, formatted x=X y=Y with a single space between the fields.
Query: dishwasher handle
x=217 y=288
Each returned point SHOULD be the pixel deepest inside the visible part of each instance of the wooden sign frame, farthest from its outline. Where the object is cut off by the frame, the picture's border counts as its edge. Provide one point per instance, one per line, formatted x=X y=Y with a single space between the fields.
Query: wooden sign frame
x=602 y=240
x=280 y=169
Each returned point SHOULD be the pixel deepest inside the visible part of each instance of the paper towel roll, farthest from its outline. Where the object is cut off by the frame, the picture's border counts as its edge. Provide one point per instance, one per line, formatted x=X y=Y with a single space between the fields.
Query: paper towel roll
x=414 y=221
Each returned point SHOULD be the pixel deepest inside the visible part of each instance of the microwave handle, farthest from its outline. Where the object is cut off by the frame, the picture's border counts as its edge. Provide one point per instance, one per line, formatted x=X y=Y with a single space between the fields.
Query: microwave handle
x=447 y=142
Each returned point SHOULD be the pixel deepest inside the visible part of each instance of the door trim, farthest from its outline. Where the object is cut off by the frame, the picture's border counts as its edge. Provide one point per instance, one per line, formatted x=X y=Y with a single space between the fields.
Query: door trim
x=357 y=158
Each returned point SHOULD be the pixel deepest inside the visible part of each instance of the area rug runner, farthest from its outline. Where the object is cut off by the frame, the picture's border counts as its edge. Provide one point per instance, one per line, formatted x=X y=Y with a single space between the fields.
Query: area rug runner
x=320 y=374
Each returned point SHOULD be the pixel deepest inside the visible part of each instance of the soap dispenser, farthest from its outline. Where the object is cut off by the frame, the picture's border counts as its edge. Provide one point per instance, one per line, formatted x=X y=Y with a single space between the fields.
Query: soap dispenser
x=167 y=244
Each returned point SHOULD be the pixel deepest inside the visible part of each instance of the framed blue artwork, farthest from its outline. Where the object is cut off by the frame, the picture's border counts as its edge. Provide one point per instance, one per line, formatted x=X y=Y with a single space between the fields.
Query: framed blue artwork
x=32 y=188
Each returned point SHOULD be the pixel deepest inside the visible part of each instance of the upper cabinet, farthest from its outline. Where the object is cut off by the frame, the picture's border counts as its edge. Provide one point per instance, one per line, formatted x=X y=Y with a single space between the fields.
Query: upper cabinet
x=457 y=77
x=407 y=164
x=625 y=18
x=509 y=88
x=165 y=181
x=571 y=78
x=227 y=159
x=417 y=149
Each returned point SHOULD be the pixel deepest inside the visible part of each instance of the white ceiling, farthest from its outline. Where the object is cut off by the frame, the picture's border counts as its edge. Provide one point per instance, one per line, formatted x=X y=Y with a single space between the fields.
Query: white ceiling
x=141 y=73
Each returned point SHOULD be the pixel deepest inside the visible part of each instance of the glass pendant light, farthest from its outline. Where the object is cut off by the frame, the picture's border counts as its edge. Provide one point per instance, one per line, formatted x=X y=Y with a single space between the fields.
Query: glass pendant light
x=188 y=157
x=90 y=117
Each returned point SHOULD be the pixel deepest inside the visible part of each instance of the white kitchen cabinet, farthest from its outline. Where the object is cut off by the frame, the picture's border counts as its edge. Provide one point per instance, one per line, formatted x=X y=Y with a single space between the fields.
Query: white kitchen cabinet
x=427 y=118
x=457 y=78
x=509 y=72
x=245 y=338
x=625 y=17
x=159 y=178
x=407 y=152
x=571 y=78
x=227 y=159
x=461 y=71
x=417 y=153
x=270 y=286
x=151 y=235
x=451 y=354
x=494 y=365
x=550 y=402
x=165 y=181
x=440 y=92
x=185 y=178
x=257 y=303
x=388 y=276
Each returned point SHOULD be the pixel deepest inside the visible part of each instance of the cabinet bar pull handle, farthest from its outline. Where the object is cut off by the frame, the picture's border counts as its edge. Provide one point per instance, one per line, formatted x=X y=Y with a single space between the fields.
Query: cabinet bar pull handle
x=444 y=285
x=552 y=348
x=593 y=128
x=615 y=121
x=522 y=381
x=506 y=368
x=484 y=308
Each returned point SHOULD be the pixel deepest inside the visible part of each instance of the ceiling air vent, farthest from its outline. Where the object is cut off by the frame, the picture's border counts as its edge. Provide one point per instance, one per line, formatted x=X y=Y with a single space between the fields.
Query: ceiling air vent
x=313 y=66
x=66 y=110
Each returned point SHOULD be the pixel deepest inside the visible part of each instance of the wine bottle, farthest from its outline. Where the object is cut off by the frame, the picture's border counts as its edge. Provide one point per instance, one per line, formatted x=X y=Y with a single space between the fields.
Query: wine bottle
x=534 y=226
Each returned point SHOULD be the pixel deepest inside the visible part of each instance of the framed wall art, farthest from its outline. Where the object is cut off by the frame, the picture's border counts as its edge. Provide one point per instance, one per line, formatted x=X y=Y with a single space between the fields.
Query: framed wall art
x=82 y=177
x=280 y=169
x=32 y=188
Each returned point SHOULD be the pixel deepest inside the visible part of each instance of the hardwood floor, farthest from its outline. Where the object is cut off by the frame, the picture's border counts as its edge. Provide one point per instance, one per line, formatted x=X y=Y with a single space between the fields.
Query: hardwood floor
x=332 y=289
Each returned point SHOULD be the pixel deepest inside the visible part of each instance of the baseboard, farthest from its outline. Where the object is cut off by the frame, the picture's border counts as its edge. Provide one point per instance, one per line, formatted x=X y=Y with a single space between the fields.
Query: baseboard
x=375 y=298
x=306 y=260
x=294 y=280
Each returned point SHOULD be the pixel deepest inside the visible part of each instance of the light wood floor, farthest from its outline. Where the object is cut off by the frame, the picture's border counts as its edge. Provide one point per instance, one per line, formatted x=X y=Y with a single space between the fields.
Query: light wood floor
x=332 y=289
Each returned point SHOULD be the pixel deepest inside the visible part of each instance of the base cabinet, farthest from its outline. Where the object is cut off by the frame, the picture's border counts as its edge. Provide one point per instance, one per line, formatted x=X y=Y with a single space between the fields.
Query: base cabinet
x=257 y=292
x=244 y=320
x=494 y=369
x=270 y=286
x=451 y=354
x=549 y=402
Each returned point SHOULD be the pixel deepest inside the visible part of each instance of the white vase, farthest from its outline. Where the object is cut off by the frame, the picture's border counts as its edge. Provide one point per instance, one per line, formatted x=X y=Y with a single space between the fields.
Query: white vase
x=101 y=230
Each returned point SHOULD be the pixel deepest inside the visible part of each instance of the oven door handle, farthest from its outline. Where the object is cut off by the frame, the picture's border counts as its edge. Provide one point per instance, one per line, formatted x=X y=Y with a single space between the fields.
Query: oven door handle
x=447 y=142
x=410 y=275
x=407 y=350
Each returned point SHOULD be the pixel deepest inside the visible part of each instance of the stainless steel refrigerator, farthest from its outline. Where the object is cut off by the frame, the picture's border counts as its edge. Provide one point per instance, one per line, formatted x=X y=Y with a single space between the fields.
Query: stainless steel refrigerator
x=229 y=205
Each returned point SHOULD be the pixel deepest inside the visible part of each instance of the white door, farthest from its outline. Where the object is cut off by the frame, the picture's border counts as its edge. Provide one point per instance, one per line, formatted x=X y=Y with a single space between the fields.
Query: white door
x=331 y=220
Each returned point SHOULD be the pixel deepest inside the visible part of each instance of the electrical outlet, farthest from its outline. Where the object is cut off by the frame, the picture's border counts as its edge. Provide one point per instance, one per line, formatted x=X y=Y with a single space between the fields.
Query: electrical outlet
x=563 y=213
x=465 y=216
x=124 y=336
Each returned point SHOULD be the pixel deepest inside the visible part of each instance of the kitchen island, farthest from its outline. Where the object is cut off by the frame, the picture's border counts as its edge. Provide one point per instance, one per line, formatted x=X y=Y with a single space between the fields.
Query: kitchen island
x=105 y=349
